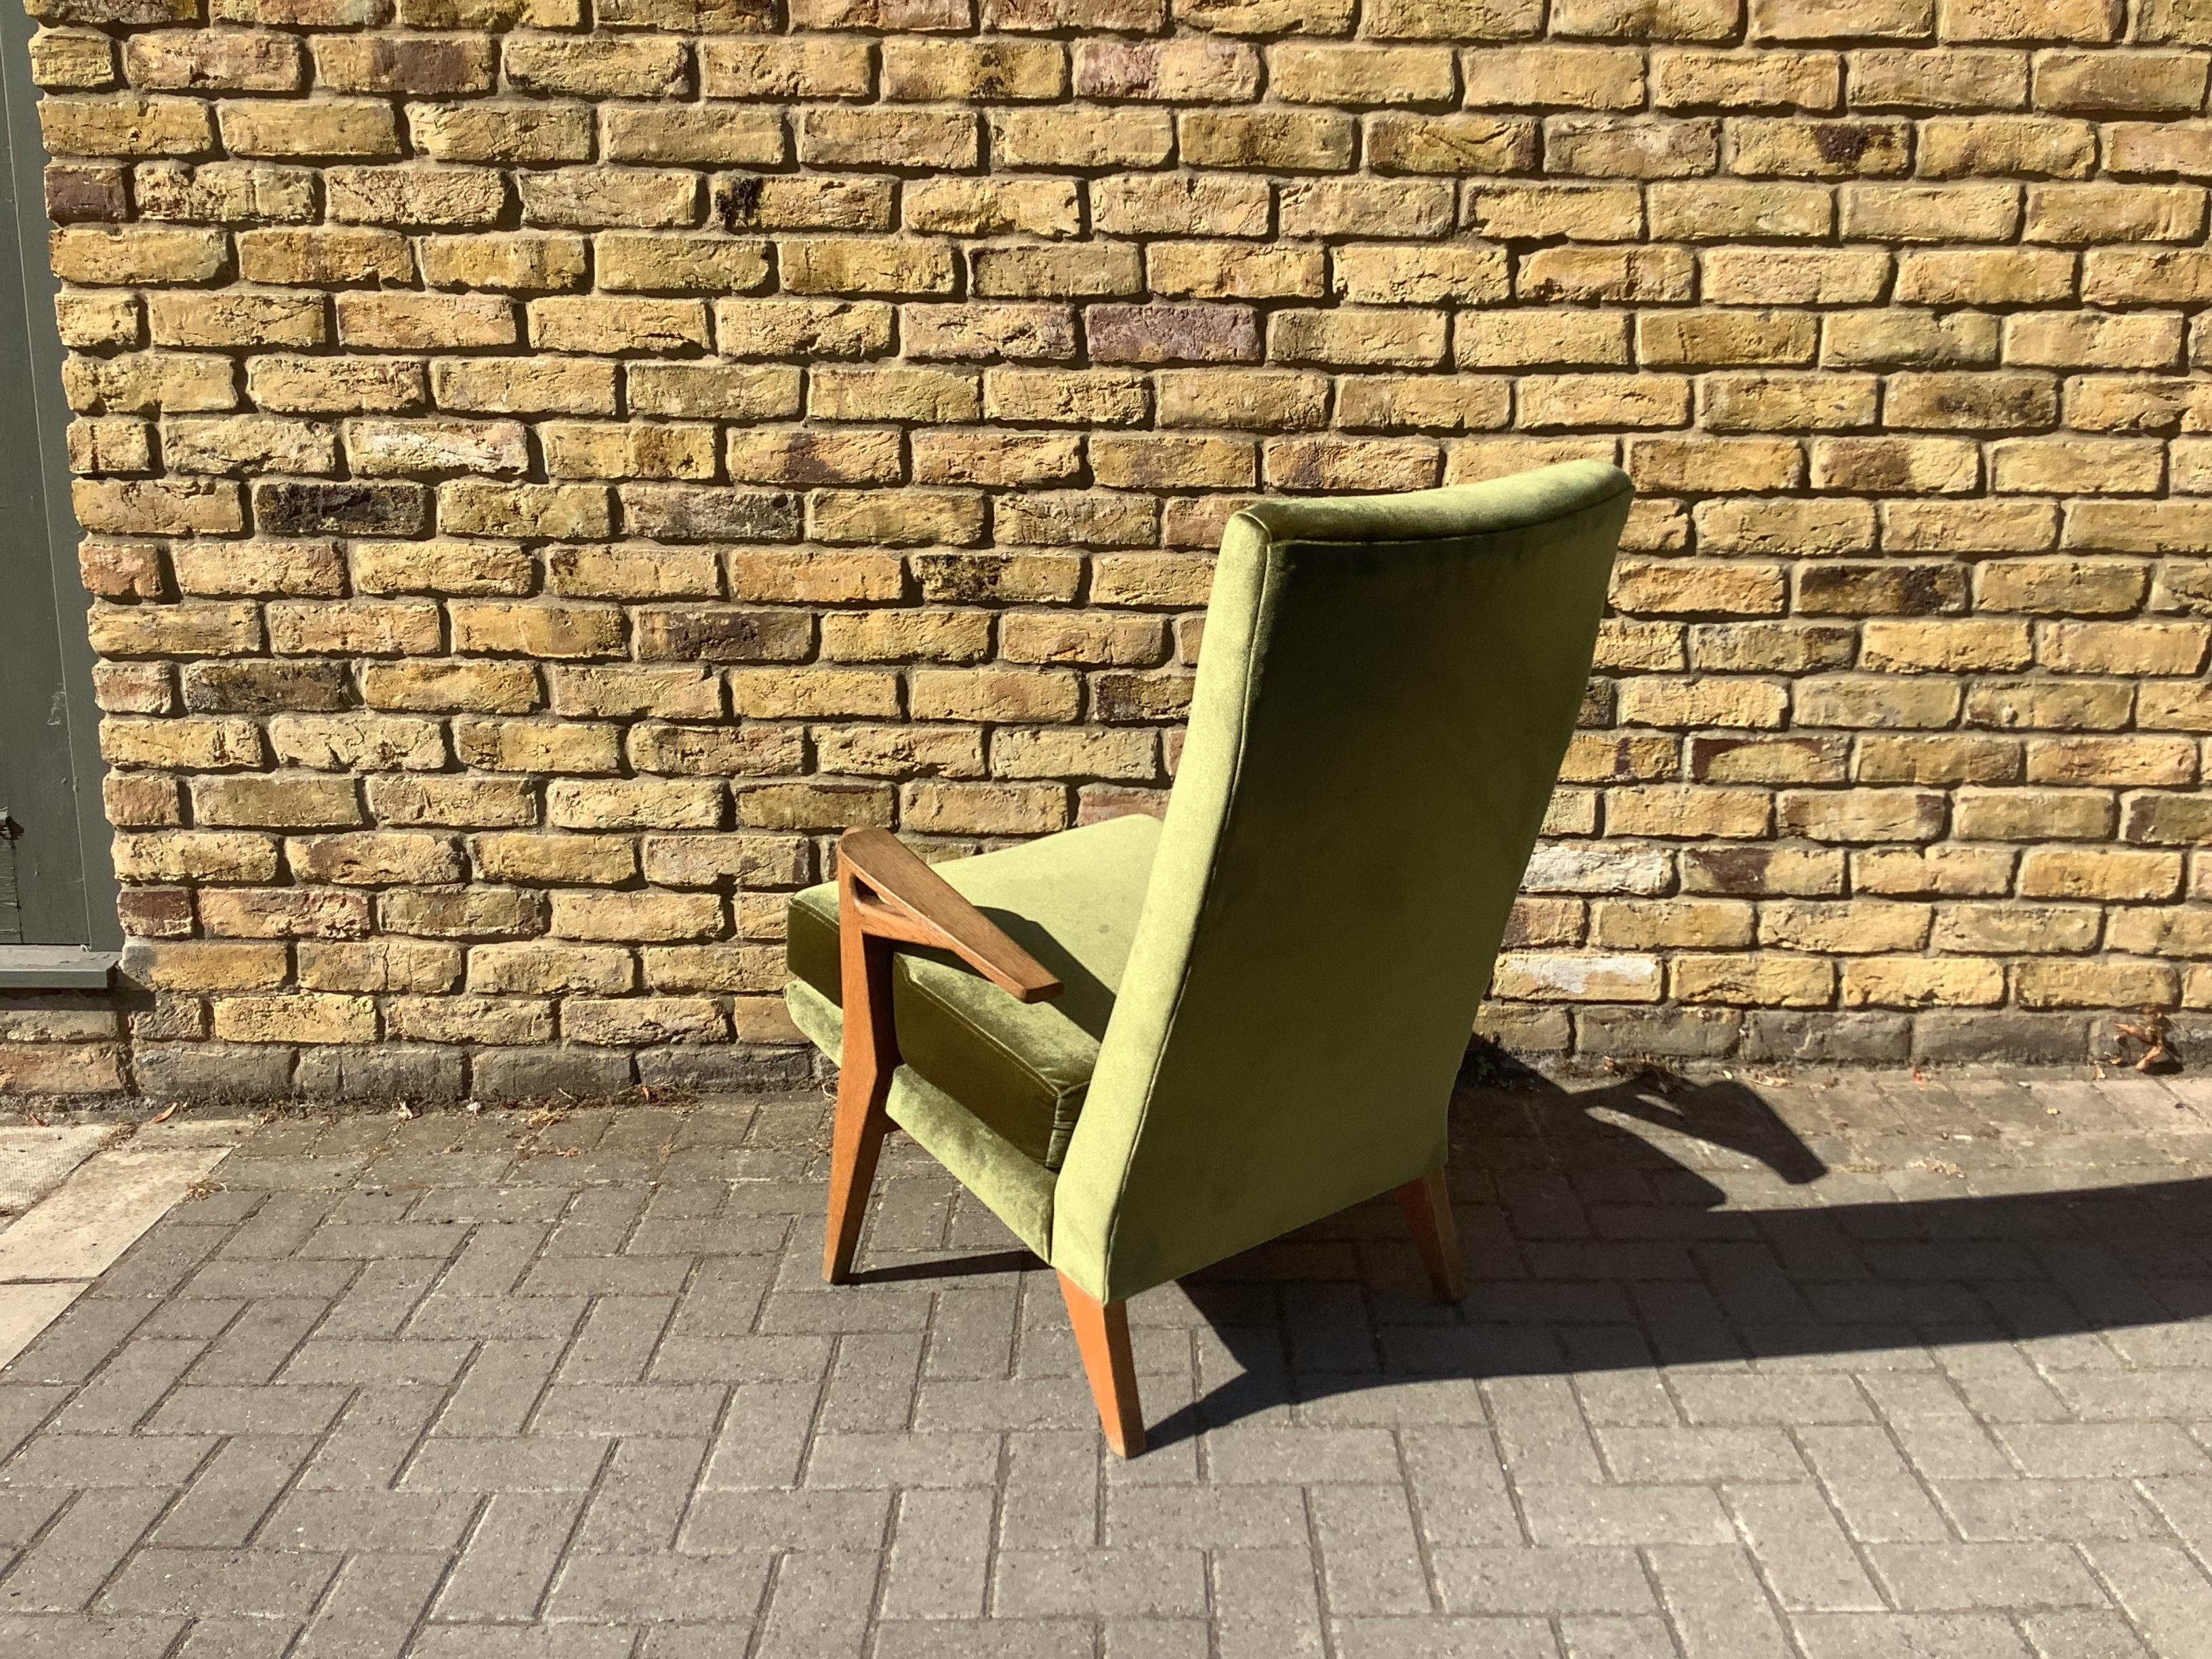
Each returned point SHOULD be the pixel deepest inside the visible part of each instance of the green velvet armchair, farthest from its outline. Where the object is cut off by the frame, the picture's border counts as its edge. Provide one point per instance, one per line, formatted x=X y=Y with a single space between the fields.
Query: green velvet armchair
x=1149 y=1045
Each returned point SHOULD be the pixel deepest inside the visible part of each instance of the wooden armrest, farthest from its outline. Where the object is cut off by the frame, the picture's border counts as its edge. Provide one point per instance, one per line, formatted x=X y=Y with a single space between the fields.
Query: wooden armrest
x=908 y=901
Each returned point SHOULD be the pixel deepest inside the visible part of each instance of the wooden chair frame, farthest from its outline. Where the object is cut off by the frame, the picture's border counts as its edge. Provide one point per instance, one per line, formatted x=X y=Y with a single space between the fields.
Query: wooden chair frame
x=888 y=896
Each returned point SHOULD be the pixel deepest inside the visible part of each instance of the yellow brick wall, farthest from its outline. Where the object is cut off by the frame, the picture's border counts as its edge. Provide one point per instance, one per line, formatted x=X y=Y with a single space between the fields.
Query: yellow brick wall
x=545 y=471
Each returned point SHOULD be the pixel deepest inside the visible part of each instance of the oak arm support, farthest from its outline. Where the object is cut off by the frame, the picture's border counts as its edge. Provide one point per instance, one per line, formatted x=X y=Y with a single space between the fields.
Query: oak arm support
x=893 y=894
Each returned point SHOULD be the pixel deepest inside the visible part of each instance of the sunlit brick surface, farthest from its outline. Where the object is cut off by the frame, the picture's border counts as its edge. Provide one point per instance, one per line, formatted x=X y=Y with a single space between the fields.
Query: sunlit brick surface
x=544 y=474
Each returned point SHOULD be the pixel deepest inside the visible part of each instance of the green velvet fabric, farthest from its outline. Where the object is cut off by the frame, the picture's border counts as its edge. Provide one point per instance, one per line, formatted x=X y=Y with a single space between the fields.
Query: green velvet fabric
x=1388 y=687
x=1015 y=1188
x=1071 y=901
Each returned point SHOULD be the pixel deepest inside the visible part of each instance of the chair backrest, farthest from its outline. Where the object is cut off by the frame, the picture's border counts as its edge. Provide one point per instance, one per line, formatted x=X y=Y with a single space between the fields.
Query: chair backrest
x=1387 y=688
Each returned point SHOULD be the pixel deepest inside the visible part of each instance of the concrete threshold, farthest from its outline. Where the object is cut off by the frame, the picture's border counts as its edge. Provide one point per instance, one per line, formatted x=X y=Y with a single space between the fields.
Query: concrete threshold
x=80 y=1228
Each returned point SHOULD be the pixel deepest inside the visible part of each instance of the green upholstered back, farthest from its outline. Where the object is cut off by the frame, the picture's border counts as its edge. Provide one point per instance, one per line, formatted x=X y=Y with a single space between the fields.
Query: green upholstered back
x=1388 y=687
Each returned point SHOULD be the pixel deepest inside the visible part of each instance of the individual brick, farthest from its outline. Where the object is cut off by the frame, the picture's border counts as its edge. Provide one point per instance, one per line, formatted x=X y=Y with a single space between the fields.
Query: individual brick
x=596 y=66
x=599 y=197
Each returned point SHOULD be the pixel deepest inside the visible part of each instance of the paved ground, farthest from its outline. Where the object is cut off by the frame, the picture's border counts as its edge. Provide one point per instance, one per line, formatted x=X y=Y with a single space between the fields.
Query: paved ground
x=1877 y=1369
x=73 y=1197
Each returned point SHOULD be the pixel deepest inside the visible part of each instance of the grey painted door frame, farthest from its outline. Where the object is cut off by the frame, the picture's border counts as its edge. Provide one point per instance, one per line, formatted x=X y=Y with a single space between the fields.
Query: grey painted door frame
x=50 y=765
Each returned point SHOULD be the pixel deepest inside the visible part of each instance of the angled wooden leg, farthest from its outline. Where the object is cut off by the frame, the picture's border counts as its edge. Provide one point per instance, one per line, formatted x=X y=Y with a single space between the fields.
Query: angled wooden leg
x=1426 y=1200
x=865 y=1061
x=1101 y=1335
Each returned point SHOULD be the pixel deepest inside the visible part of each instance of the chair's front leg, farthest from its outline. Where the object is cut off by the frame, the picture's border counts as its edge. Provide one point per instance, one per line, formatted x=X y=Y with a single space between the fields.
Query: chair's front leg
x=866 y=1061
x=1426 y=1200
x=1101 y=1336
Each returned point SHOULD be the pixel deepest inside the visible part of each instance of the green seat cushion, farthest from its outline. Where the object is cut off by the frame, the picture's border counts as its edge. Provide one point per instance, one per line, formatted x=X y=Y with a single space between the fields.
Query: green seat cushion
x=1022 y=1069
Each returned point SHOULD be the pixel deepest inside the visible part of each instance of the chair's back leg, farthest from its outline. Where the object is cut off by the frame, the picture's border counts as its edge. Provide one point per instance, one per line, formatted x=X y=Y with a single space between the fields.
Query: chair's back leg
x=1101 y=1336
x=1426 y=1200
x=866 y=1061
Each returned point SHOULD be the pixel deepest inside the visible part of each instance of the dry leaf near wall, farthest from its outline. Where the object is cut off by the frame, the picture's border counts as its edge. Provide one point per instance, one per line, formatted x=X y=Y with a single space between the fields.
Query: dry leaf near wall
x=2151 y=1032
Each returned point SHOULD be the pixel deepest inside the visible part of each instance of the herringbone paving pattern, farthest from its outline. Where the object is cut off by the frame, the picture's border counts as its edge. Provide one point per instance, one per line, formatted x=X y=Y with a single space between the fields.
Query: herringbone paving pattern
x=1885 y=1367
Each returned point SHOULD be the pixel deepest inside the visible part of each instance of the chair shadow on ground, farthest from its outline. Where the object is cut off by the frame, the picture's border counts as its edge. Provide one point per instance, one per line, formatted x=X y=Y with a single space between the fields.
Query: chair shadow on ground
x=1595 y=1250
x=1591 y=1248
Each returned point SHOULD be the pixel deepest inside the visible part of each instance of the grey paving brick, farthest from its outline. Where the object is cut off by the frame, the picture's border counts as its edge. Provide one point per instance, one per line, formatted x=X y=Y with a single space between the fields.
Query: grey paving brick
x=1872 y=1485
x=2092 y=1450
x=643 y=1588
x=234 y=1491
x=1153 y=1639
x=1605 y=1637
x=299 y=1408
x=371 y=1611
x=1943 y=1577
x=1459 y=1492
x=1143 y=1582
x=1265 y=1604
x=1800 y=1547
x=940 y=1563
x=480 y=1318
x=734 y=1522
x=819 y=1604
x=1625 y=1515
x=1999 y=1386
x=2162 y=1590
x=501 y=1388
x=505 y=1463
x=972 y=1335
x=1540 y=1430
x=902 y=1459
x=102 y=1459
x=871 y=1384
x=86 y=1636
x=1049 y=1496
x=364 y=1241
x=62 y=1570
x=2081 y=1636
x=637 y=1408
x=380 y=1300
x=1935 y=1635
x=2185 y=1504
x=1238 y=1456
x=2132 y=1395
x=1794 y=1400
x=81 y=1341
x=238 y=1639
x=386 y=1360
x=1222 y=1517
x=1370 y=1559
x=723 y=1298
x=1547 y=1581
x=997 y=1638
x=260 y=1583
x=25 y=1511
x=642 y=1494
x=1440 y=1638
x=851 y=1310
x=129 y=1386
x=373 y=1521
x=510 y=1557
x=740 y=1359
x=524 y=1642
x=1046 y=1403
x=1637 y=1455
x=2037 y=1510
x=618 y=1339
x=363 y=1457
x=1719 y=1608
x=1341 y=1452
x=764 y=1435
